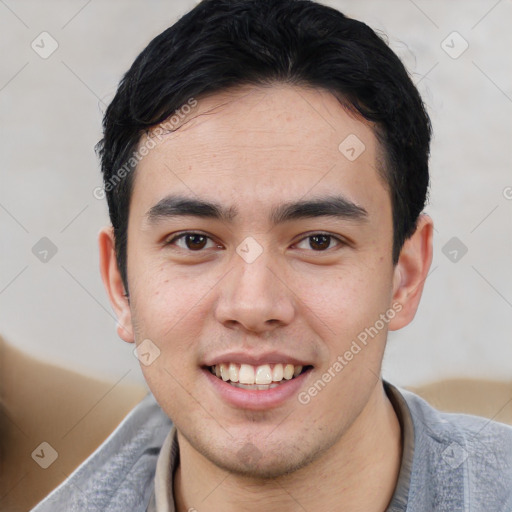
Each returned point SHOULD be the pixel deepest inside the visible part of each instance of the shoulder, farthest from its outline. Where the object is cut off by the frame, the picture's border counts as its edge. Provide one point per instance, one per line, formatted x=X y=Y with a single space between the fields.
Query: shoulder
x=469 y=428
x=462 y=454
x=119 y=475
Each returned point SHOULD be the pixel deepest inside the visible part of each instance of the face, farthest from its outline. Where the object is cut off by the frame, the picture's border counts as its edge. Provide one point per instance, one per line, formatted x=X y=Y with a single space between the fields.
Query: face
x=288 y=263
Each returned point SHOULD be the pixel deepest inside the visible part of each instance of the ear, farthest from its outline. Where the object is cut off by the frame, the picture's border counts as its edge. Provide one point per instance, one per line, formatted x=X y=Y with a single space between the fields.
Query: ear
x=114 y=284
x=411 y=271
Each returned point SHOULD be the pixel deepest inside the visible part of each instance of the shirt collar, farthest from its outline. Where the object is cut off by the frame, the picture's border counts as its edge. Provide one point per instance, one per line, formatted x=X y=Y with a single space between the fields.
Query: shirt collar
x=162 y=499
x=401 y=495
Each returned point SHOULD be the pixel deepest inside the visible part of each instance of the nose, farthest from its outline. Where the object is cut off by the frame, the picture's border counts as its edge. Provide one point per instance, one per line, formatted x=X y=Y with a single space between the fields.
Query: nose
x=255 y=296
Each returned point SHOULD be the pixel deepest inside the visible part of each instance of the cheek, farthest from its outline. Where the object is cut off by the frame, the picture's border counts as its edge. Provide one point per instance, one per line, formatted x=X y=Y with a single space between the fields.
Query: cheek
x=347 y=299
x=170 y=311
x=164 y=302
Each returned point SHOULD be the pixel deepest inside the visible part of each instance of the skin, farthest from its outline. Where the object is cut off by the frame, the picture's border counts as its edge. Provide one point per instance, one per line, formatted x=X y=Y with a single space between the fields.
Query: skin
x=254 y=149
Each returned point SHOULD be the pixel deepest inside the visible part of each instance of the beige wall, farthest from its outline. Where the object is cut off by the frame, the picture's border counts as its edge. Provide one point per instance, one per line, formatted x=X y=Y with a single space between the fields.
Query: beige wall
x=50 y=114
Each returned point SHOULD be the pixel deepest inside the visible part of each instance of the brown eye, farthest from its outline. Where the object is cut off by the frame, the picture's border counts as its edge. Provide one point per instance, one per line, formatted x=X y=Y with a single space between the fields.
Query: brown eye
x=195 y=242
x=319 y=242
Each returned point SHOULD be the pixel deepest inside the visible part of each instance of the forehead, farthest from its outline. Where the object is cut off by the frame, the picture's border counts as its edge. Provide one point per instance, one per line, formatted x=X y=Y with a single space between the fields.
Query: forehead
x=251 y=145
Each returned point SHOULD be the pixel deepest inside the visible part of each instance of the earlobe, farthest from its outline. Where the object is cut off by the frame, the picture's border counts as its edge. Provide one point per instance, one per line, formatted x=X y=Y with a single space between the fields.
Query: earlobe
x=114 y=284
x=411 y=272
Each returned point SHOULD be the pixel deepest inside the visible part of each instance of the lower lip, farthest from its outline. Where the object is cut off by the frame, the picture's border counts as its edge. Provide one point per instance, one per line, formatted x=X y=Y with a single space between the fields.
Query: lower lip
x=256 y=400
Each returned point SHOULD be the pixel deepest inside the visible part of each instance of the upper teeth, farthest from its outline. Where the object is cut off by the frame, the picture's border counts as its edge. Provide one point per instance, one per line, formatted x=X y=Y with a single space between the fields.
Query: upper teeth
x=262 y=374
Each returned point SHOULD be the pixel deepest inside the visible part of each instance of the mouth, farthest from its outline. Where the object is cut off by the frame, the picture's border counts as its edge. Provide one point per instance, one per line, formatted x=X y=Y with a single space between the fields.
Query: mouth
x=257 y=378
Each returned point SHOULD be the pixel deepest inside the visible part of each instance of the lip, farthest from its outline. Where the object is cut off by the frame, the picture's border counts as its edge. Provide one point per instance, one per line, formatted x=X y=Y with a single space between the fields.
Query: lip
x=255 y=359
x=256 y=400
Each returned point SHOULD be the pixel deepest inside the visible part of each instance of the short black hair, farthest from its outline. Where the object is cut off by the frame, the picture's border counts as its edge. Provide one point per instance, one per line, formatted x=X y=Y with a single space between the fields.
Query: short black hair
x=225 y=43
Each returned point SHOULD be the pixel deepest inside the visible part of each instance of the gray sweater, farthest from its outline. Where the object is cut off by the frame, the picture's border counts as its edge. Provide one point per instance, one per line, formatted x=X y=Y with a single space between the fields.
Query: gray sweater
x=450 y=463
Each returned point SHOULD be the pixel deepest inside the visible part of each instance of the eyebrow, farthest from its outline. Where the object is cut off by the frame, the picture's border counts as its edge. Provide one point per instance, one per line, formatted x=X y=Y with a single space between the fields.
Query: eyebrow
x=328 y=206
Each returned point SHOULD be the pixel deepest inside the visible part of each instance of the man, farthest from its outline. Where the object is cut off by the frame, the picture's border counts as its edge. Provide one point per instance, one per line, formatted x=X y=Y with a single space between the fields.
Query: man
x=266 y=168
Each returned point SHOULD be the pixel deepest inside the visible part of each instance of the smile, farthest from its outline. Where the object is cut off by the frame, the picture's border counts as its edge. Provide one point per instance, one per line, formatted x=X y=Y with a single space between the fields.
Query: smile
x=261 y=377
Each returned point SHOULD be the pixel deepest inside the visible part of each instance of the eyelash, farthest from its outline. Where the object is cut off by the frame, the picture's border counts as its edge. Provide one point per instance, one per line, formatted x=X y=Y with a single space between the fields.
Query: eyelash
x=340 y=241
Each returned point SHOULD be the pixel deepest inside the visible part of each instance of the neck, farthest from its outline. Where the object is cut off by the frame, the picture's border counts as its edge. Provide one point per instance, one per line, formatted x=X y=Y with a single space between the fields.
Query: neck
x=358 y=473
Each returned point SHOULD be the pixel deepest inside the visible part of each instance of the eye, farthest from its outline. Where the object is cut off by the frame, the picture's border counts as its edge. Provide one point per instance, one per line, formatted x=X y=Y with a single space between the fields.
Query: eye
x=191 y=241
x=196 y=242
x=320 y=241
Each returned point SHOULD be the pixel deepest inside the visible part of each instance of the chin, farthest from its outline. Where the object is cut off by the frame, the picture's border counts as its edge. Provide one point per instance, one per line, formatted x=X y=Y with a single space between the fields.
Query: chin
x=261 y=466
x=262 y=461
